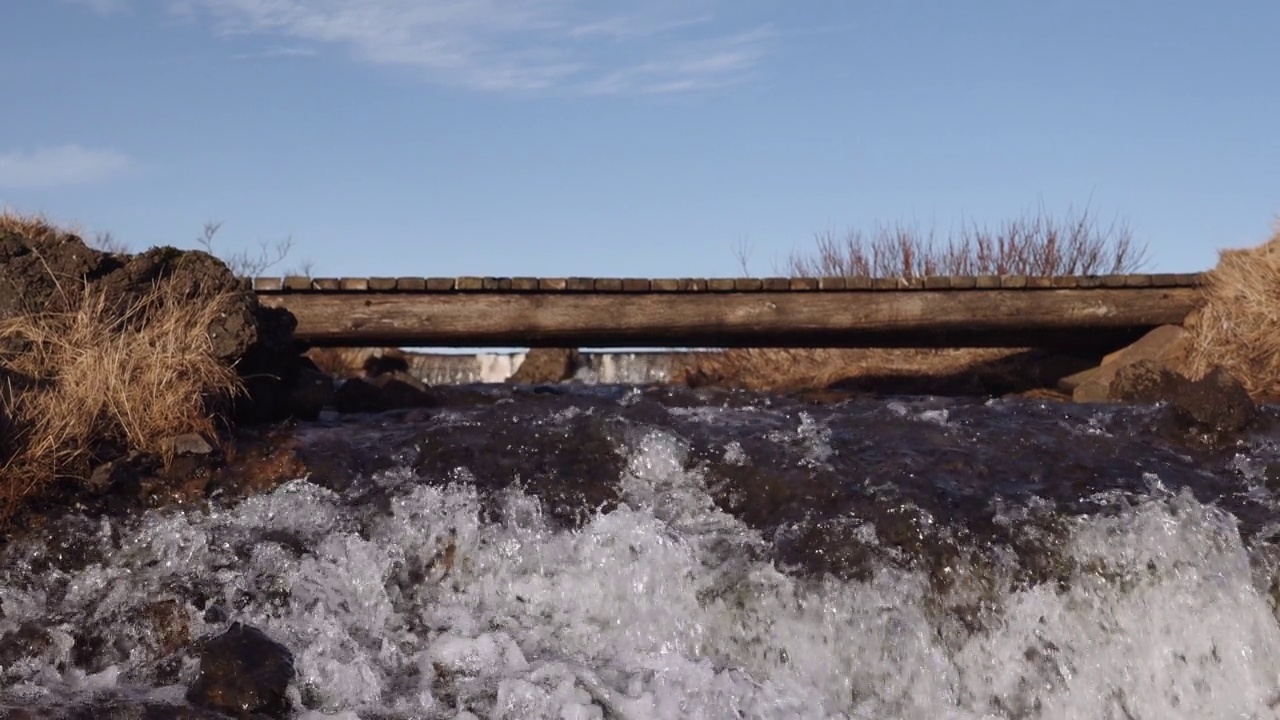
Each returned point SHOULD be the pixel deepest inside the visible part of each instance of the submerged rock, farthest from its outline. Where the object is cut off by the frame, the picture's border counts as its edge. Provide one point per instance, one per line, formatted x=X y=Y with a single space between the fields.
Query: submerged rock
x=311 y=393
x=388 y=391
x=243 y=672
x=547 y=365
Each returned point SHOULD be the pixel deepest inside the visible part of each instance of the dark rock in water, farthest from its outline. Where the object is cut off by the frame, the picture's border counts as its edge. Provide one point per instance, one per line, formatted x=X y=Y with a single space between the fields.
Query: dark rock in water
x=311 y=392
x=1217 y=402
x=569 y=466
x=547 y=365
x=389 y=391
x=388 y=362
x=269 y=368
x=242 y=672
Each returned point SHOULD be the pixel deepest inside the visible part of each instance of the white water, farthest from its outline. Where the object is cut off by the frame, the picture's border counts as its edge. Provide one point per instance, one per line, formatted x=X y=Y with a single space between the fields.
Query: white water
x=636 y=368
x=656 y=610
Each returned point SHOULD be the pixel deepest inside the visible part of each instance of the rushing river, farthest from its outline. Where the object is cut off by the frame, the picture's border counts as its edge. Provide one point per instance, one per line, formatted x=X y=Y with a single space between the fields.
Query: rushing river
x=617 y=552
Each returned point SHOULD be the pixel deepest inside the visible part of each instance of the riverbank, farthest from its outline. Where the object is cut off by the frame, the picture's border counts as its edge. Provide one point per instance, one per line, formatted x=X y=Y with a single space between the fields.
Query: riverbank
x=204 y=517
x=139 y=370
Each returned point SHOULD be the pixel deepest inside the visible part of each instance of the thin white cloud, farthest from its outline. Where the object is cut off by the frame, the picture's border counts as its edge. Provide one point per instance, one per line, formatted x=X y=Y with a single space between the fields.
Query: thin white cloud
x=59 y=166
x=708 y=65
x=583 y=46
x=276 y=53
x=102 y=7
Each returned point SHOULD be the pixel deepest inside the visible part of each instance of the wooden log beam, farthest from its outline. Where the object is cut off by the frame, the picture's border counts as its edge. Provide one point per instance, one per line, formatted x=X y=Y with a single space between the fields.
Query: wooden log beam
x=1095 y=317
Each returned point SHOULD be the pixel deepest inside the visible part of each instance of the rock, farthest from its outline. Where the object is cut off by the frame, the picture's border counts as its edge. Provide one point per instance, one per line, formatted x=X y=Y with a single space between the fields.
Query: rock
x=243 y=672
x=269 y=368
x=312 y=391
x=391 y=360
x=194 y=277
x=1217 y=403
x=189 y=444
x=35 y=259
x=547 y=365
x=389 y=391
x=1167 y=345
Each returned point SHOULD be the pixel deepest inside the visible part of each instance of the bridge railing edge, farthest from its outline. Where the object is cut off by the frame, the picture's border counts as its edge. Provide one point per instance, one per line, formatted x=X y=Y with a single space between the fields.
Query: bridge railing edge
x=464 y=284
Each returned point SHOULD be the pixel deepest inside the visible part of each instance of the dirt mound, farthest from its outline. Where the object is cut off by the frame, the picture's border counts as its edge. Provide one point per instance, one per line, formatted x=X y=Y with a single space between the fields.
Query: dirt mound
x=110 y=356
x=44 y=270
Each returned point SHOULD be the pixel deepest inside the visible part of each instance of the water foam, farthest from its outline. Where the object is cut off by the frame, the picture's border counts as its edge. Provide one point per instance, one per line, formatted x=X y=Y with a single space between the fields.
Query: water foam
x=662 y=608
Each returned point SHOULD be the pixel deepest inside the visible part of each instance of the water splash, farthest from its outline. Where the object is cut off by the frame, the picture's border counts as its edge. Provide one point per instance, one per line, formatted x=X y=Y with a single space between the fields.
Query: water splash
x=406 y=596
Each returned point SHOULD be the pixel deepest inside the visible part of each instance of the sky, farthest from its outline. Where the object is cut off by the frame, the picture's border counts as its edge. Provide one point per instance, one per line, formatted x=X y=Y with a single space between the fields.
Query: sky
x=635 y=139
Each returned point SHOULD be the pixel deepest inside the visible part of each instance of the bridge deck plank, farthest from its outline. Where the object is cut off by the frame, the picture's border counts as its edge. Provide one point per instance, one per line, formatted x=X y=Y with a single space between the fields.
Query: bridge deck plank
x=920 y=318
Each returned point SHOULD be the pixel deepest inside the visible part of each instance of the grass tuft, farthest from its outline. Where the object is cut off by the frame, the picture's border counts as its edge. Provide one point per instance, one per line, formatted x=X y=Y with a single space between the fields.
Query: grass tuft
x=35 y=228
x=91 y=383
x=1238 y=327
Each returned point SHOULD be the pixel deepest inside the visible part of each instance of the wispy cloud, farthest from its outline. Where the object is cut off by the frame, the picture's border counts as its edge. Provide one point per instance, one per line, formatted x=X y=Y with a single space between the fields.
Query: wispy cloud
x=59 y=166
x=276 y=53
x=104 y=7
x=583 y=46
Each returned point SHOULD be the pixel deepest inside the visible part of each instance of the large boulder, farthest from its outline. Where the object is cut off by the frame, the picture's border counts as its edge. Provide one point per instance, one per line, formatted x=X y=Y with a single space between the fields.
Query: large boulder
x=1217 y=404
x=43 y=269
x=1167 y=345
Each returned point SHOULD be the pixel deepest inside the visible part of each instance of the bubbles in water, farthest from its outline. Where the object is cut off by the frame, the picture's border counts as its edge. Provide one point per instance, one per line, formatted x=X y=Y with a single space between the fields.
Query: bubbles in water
x=435 y=601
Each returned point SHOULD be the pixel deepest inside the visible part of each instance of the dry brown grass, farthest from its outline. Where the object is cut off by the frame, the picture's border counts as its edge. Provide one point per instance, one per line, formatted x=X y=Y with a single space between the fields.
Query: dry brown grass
x=790 y=369
x=34 y=227
x=90 y=382
x=1238 y=327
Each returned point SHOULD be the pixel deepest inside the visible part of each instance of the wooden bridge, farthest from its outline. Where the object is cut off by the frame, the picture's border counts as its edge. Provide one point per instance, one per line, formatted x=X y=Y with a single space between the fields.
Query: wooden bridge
x=1093 y=312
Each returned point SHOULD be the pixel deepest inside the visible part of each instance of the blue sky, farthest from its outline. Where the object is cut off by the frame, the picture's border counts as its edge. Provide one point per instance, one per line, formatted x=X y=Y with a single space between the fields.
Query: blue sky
x=597 y=137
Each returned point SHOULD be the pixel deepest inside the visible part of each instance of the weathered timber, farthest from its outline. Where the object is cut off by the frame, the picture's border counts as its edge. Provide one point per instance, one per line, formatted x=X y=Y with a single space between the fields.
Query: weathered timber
x=690 y=316
x=581 y=284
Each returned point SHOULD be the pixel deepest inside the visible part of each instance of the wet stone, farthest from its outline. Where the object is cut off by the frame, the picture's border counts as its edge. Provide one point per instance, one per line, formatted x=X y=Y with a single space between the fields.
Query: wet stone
x=571 y=465
x=388 y=391
x=1217 y=403
x=243 y=672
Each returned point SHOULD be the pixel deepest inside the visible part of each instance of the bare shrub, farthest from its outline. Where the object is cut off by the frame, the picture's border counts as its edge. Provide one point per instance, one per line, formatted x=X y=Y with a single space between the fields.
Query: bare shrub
x=1041 y=245
x=108 y=243
x=252 y=264
x=1238 y=326
x=90 y=380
